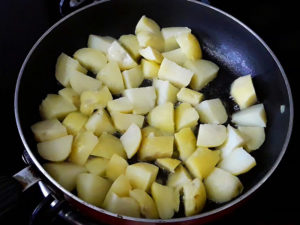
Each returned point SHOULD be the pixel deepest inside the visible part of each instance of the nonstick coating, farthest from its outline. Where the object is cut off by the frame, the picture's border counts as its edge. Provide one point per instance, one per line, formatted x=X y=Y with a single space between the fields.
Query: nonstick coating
x=224 y=40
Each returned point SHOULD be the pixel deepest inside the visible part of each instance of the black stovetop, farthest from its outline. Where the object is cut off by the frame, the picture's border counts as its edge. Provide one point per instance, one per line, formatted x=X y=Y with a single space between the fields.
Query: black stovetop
x=23 y=21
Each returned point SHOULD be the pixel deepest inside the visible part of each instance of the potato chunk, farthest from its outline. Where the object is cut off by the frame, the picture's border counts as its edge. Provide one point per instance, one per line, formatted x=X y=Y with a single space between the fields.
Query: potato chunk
x=107 y=146
x=97 y=166
x=162 y=117
x=151 y=54
x=189 y=96
x=156 y=147
x=111 y=76
x=121 y=104
x=143 y=99
x=204 y=72
x=211 y=135
x=147 y=24
x=189 y=45
x=81 y=82
x=65 y=173
x=90 y=58
x=179 y=178
x=74 y=122
x=122 y=121
x=194 y=197
x=185 y=141
x=133 y=77
x=83 y=145
x=70 y=95
x=141 y=175
x=252 y=116
x=243 y=92
x=101 y=43
x=154 y=40
x=131 y=140
x=55 y=106
x=131 y=44
x=100 y=122
x=185 y=116
x=116 y=167
x=65 y=67
x=92 y=188
x=47 y=130
x=176 y=56
x=254 y=137
x=150 y=69
x=174 y=73
x=202 y=162
x=166 y=92
x=168 y=164
x=212 y=111
x=221 y=186
x=56 y=150
x=170 y=33
x=166 y=200
x=237 y=162
x=146 y=203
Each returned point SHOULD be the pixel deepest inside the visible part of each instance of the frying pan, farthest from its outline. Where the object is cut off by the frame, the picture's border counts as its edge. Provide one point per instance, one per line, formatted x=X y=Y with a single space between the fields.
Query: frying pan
x=224 y=40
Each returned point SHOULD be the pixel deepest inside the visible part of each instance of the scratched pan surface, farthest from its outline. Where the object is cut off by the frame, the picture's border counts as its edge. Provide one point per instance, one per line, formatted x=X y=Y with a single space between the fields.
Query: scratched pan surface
x=224 y=40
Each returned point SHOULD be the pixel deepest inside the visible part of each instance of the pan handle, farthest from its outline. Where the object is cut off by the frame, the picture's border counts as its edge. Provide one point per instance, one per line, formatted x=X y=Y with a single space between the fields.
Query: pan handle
x=11 y=188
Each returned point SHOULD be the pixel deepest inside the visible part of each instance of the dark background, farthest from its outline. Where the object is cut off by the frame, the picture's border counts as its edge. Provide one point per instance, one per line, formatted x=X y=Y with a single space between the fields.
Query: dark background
x=22 y=22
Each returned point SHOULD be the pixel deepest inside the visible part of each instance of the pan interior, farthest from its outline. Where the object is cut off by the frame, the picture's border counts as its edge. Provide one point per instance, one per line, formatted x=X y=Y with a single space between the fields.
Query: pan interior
x=224 y=41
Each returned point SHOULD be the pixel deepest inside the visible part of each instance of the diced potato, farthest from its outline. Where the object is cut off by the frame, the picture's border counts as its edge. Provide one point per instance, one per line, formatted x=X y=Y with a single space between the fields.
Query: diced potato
x=118 y=54
x=211 y=135
x=93 y=100
x=74 y=122
x=154 y=40
x=47 y=130
x=122 y=121
x=178 y=178
x=101 y=43
x=133 y=77
x=56 y=150
x=194 y=197
x=166 y=200
x=165 y=91
x=234 y=140
x=185 y=141
x=189 y=96
x=243 y=92
x=254 y=137
x=185 y=116
x=107 y=146
x=170 y=33
x=96 y=166
x=212 y=111
x=147 y=24
x=131 y=44
x=81 y=82
x=222 y=186
x=148 y=130
x=146 y=203
x=150 y=69
x=83 y=145
x=111 y=76
x=100 y=122
x=143 y=99
x=70 y=95
x=92 y=188
x=168 y=164
x=156 y=147
x=151 y=54
x=121 y=104
x=91 y=58
x=237 y=162
x=55 y=106
x=131 y=140
x=176 y=56
x=65 y=173
x=141 y=175
x=162 y=117
x=189 y=45
x=204 y=72
x=65 y=67
x=174 y=73
x=202 y=162
x=115 y=167
x=252 y=116
x=126 y=206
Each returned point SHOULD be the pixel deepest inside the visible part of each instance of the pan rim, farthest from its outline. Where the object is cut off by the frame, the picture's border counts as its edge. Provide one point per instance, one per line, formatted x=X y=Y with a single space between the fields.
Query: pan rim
x=174 y=220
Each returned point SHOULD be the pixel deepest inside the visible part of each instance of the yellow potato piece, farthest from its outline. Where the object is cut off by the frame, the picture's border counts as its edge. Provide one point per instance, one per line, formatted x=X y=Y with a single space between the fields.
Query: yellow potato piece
x=116 y=167
x=211 y=135
x=254 y=137
x=189 y=96
x=185 y=141
x=131 y=140
x=101 y=43
x=47 y=130
x=96 y=166
x=81 y=82
x=168 y=164
x=121 y=104
x=189 y=45
x=178 y=178
x=70 y=95
x=122 y=121
x=133 y=77
x=150 y=69
x=185 y=116
x=151 y=54
x=165 y=91
x=74 y=122
x=131 y=44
